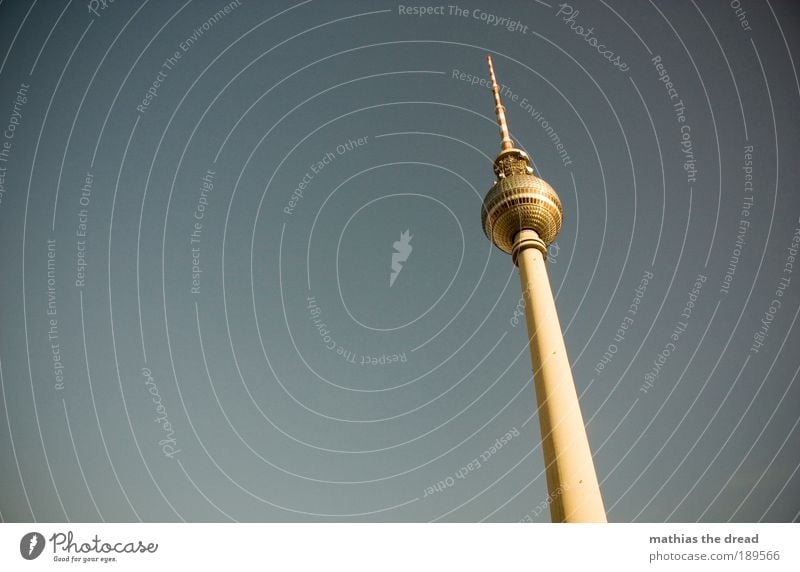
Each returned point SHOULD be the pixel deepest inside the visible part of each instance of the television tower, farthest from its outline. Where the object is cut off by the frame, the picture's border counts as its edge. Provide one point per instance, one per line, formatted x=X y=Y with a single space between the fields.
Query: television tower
x=521 y=215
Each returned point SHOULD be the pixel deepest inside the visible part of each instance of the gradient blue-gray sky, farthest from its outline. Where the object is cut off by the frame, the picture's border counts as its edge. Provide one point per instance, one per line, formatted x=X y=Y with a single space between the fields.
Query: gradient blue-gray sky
x=263 y=368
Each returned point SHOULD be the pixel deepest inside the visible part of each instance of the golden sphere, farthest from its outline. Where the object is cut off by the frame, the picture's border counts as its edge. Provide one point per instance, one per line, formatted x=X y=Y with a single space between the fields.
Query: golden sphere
x=519 y=202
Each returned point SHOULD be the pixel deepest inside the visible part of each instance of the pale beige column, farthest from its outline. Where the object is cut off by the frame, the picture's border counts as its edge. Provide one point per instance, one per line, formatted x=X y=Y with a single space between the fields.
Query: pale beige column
x=573 y=490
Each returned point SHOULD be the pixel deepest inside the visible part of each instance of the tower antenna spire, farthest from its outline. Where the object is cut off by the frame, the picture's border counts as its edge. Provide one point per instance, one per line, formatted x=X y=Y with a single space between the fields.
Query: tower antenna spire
x=505 y=139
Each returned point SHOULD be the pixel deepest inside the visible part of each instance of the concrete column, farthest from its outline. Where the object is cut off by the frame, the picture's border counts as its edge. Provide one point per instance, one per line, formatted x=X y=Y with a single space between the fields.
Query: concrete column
x=573 y=490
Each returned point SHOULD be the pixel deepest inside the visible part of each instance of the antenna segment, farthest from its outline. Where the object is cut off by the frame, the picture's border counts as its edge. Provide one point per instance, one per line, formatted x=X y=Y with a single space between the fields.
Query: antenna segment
x=505 y=139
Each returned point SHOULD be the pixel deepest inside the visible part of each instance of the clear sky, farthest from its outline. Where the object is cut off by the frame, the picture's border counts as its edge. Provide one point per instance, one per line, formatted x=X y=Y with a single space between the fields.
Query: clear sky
x=244 y=277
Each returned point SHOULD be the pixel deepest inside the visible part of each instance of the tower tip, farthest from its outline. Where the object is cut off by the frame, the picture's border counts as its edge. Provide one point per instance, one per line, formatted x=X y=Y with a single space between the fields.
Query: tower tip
x=500 y=111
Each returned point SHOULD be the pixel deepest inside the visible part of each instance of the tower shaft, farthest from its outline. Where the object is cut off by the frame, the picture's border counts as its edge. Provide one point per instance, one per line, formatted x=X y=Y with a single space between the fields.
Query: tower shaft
x=573 y=490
